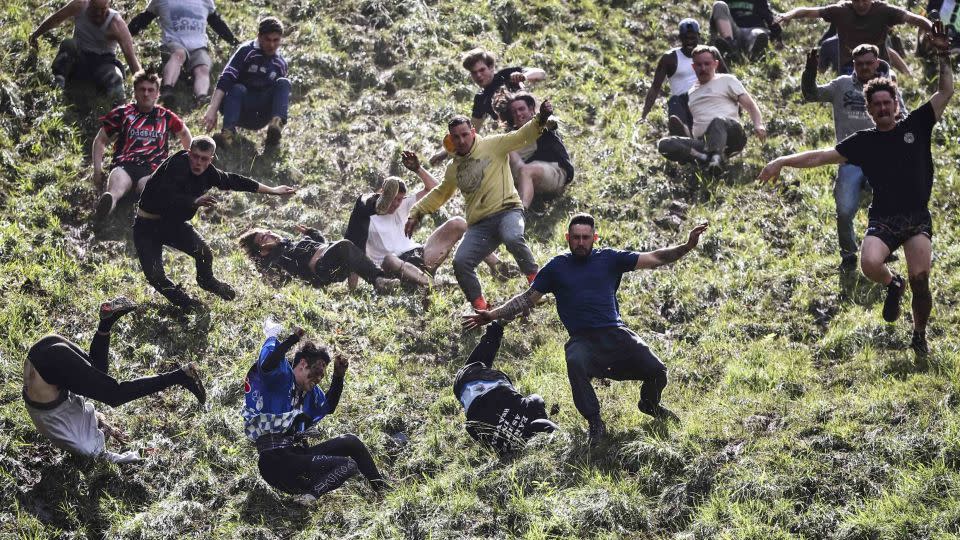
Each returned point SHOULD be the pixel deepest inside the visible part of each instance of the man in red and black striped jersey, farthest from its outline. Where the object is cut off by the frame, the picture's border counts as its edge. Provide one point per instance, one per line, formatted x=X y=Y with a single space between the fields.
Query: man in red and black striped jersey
x=140 y=131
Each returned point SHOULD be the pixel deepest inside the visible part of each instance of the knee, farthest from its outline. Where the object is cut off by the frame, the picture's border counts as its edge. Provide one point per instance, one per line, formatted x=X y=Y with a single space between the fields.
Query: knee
x=352 y=442
x=457 y=225
x=920 y=281
x=577 y=365
x=283 y=83
x=461 y=265
x=178 y=56
x=202 y=70
x=238 y=90
x=391 y=263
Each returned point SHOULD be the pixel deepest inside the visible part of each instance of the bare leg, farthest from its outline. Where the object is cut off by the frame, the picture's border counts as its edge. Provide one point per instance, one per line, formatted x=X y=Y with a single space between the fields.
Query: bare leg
x=917 y=251
x=171 y=70
x=118 y=185
x=352 y=281
x=873 y=253
x=516 y=163
x=440 y=243
x=201 y=80
x=142 y=183
x=408 y=272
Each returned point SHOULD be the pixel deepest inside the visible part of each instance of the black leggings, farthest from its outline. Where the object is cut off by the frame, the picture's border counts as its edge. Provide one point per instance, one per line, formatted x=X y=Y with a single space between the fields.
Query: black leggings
x=62 y=363
x=149 y=237
x=342 y=259
x=486 y=349
x=318 y=469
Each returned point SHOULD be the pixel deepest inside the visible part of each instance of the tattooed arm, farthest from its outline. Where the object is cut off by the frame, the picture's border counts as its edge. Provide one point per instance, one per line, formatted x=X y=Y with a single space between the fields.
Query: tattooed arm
x=660 y=257
x=520 y=303
x=945 y=87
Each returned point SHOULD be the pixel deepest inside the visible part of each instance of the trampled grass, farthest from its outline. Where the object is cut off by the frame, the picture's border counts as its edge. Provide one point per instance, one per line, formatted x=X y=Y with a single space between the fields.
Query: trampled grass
x=803 y=415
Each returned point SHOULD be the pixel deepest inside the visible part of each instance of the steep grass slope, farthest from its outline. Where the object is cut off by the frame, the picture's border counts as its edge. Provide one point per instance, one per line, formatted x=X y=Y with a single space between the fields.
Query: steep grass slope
x=803 y=415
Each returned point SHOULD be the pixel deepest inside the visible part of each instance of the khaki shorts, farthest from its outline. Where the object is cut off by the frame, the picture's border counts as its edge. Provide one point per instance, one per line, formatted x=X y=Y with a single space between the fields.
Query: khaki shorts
x=196 y=57
x=553 y=180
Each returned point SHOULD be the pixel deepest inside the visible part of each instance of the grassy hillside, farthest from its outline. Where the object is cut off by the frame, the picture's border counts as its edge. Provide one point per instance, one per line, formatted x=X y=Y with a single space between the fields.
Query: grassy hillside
x=803 y=415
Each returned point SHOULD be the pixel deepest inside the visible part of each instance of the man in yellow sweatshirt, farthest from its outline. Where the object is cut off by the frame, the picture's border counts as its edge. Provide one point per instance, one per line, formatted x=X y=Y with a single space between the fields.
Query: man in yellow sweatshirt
x=481 y=169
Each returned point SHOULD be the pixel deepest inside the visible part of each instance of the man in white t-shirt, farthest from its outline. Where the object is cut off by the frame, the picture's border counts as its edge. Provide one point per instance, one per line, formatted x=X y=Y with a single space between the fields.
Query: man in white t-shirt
x=715 y=101
x=184 y=25
x=376 y=225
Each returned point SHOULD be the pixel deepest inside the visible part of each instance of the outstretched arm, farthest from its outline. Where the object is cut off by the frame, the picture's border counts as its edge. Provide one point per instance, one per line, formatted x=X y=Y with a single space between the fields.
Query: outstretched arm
x=797 y=13
x=654 y=91
x=140 y=22
x=920 y=22
x=660 y=257
x=520 y=303
x=802 y=160
x=55 y=19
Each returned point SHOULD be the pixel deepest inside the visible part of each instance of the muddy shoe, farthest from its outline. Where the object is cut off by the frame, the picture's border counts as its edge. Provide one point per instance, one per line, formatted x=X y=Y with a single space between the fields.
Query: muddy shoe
x=225 y=138
x=657 y=411
x=676 y=127
x=194 y=382
x=274 y=132
x=179 y=298
x=217 y=287
x=201 y=100
x=596 y=430
x=919 y=345
x=104 y=207
x=891 y=306
x=116 y=308
x=386 y=285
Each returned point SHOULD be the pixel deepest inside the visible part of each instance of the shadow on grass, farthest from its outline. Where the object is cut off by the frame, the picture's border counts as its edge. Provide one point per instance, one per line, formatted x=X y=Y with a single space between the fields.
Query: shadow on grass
x=69 y=493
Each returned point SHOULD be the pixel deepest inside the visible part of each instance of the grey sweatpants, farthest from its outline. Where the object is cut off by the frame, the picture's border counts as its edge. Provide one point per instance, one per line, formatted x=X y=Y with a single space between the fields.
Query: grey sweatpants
x=483 y=238
x=744 y=37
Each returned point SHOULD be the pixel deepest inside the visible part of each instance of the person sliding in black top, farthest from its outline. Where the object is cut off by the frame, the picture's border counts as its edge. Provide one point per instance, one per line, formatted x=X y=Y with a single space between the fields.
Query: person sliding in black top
x=311 y=258
x=497 y=415
x=58 y=375
x=170 y=199
x=896 y=158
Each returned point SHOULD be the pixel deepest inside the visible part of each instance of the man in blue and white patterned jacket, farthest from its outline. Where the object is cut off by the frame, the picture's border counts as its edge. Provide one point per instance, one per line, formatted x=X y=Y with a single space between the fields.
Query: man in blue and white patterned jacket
x=282 y=402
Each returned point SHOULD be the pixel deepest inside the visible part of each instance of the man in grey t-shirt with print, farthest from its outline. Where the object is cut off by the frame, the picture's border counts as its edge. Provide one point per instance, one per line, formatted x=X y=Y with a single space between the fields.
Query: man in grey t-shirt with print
x=849 y=116
x=184 y=26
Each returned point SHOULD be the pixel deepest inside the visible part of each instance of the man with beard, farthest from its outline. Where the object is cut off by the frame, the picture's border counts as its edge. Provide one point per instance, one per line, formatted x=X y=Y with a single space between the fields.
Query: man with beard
x=849 y=116
x=896 y=158
x=677 y=66
x=584 y=283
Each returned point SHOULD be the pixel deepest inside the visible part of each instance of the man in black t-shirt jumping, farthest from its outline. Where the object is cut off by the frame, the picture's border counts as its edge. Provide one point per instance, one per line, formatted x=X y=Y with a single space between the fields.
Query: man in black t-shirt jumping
x=896 y=158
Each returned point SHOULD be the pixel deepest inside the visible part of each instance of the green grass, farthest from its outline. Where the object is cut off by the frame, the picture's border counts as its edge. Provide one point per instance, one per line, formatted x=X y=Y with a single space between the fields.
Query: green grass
x=803 y=415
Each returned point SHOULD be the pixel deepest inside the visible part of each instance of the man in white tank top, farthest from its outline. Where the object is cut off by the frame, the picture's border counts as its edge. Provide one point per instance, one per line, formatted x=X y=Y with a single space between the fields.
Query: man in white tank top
x=91 y=54
x=677 y=66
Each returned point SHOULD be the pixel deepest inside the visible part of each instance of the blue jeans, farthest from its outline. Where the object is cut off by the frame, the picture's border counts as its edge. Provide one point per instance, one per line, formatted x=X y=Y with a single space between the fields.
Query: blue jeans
x=846 y=193
x=252 y=108
x=481 y=239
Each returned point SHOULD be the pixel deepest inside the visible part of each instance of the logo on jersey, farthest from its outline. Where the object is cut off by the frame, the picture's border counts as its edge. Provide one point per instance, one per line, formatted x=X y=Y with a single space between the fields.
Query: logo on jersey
x=908 y=138
x=246 y=385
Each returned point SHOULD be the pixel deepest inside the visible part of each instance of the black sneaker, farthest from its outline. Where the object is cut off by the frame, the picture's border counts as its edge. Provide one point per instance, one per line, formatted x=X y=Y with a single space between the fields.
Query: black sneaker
x=848 y=263
x=919 y=344
x=217 y=287
x=116 y=308
x=182 y=300
x=657 y=411
x=194 y=382
x=891 y=306
x=104 y=206
x=596 y=430
x=676 y=127
x=760 y=46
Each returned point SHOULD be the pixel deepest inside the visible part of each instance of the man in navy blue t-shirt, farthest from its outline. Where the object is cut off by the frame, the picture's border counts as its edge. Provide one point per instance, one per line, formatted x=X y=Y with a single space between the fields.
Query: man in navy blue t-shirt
x=585 y=283
x=896 y=158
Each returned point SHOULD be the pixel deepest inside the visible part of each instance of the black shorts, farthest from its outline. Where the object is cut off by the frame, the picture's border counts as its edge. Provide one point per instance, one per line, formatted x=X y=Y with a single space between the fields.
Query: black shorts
x=895 y=230
x=134 y=170
x=414 y=257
